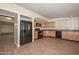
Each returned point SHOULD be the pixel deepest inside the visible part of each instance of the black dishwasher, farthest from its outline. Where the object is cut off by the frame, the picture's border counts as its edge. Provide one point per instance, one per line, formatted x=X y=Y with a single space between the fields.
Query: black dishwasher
x=58 y=34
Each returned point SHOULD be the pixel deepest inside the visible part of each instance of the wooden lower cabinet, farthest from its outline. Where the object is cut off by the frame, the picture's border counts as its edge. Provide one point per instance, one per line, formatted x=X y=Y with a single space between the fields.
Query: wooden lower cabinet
x=76 y=34
x=49 y=33
x=67 y=35
x=36 y=35
x=44 y=33
x=52 y=33
x=70 y=35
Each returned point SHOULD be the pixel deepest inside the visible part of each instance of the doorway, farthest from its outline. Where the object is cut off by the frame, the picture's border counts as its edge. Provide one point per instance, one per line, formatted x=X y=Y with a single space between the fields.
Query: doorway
x=6 y=36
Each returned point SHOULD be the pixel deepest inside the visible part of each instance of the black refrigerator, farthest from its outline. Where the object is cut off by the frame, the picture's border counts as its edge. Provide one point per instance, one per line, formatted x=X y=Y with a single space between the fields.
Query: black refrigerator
x=25 y=32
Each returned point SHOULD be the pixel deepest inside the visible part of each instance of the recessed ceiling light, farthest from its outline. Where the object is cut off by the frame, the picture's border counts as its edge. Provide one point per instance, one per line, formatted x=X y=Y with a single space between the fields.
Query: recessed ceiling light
x=8 y=18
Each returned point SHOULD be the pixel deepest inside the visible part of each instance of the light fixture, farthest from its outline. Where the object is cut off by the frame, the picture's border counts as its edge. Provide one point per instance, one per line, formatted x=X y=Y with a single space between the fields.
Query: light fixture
x=9 y=18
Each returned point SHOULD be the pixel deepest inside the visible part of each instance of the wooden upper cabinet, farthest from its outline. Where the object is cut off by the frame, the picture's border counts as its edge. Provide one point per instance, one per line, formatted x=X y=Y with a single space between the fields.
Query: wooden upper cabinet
x=35 y=35
x=44 y=23
x=51 y=24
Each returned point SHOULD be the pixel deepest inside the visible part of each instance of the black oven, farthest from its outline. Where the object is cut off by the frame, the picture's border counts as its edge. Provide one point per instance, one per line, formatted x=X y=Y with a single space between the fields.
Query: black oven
x=40 y=34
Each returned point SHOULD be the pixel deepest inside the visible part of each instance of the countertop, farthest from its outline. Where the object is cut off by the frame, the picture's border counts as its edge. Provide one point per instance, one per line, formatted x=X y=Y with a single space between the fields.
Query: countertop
x=51 y=29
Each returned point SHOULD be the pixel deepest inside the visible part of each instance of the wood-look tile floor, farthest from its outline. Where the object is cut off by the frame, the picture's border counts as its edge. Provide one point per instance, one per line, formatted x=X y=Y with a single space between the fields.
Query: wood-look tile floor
x=45 y=46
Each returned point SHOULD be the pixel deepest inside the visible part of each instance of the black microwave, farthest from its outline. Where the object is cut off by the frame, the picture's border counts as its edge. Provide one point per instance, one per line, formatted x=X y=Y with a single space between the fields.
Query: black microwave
x=38 y=25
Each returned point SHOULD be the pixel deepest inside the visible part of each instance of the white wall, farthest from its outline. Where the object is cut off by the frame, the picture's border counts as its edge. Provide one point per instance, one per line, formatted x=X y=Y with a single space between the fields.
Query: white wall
x=75 y=23
x=64 y=23
x=67 y=23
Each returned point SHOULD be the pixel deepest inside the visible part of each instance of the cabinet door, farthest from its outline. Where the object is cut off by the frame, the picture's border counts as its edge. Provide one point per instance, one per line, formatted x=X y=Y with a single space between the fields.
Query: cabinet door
x=52 y=33
x=64 y=35
x=71 y=35
x=44 y=33
x=68 y=35
x=35 y=35
x=76 y=34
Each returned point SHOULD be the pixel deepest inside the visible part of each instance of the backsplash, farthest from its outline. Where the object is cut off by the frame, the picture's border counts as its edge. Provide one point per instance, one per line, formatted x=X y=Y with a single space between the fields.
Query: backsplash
x=44 y=24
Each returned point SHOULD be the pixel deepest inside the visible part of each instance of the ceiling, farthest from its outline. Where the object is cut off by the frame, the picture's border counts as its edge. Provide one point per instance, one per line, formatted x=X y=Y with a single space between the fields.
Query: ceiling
x=53 y=10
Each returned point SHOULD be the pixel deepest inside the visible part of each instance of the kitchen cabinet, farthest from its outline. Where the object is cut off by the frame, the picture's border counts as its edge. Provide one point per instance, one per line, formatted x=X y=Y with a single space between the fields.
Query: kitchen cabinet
x=51 y=24
x=76 y=34
x=44 y=33
x=68 y=35
x=49 y=33
x=36 y=35
x=52 y=33
x=44 y=24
